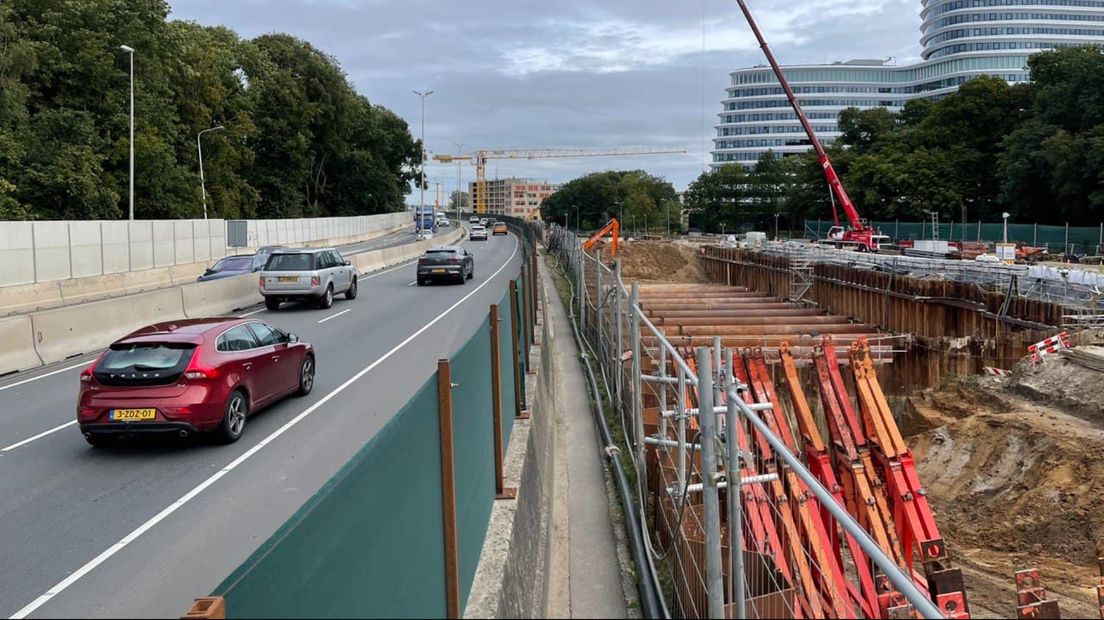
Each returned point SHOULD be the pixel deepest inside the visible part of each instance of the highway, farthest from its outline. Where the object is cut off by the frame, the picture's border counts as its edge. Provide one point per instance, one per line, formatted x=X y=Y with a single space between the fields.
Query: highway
x=140 y=529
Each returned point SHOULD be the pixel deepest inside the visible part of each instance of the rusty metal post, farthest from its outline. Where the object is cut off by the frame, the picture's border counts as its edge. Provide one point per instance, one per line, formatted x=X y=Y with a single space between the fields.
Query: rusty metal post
x=448 y=489
x=519 y=399
x=501 y=492
x=208 y=608
x=526 y=329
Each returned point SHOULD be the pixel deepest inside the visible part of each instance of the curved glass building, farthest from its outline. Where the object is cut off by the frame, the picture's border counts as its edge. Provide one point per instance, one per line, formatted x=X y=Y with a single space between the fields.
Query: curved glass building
x=961 y=39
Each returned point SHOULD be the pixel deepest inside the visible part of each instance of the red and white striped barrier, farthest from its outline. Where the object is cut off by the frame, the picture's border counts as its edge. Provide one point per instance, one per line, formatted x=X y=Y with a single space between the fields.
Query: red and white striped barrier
x=997 y=372
x=1049 y=346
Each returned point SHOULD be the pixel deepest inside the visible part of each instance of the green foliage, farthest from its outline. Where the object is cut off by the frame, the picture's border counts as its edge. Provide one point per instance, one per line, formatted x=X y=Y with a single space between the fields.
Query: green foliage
x=299 y=140
x=598 y=197
x=461 y=199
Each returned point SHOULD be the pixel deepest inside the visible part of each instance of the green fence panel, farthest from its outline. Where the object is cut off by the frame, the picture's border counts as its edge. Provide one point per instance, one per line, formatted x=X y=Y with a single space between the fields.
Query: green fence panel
x=369 y=543
x=473 y=441
x=1082 y=238
x=507 y=372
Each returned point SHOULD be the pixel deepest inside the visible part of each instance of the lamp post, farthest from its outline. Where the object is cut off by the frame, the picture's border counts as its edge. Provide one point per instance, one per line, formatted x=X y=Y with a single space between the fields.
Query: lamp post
x=776 y=215
x=1006 y=216
x=202 y=181
x=459 y=191
x=421 y=177
x=130 y=50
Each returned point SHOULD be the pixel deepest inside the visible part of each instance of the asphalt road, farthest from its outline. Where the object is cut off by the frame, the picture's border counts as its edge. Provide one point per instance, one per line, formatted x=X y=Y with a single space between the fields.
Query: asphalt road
x=140 y=529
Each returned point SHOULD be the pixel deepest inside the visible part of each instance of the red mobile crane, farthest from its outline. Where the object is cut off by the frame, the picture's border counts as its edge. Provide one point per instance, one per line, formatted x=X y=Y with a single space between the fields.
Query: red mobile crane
x=859 y=235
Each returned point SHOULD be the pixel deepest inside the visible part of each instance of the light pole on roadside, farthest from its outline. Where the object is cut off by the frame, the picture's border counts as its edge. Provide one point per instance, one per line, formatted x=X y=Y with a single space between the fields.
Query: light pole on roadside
x=202 y=181
x=130 y=50
x=421 y=177
x=1005 y=216
x=776 y=215
x=459 y=191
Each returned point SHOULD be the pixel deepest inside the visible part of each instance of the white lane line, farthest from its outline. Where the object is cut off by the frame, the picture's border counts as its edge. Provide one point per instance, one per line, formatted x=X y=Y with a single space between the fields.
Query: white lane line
x=43 y=376
x=203 y=486
x=412 y=283
x=38 y=436
x=334 y=316
x=242 y=316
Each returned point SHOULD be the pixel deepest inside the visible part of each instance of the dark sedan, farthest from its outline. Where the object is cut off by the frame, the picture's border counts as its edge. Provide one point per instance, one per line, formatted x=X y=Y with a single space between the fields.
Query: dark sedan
x=239 y=264
x=450 y=262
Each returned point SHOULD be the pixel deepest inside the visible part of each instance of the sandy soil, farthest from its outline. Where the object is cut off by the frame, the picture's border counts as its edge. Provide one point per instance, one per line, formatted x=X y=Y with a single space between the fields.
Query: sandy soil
x=1015 y=470
x=656 y=261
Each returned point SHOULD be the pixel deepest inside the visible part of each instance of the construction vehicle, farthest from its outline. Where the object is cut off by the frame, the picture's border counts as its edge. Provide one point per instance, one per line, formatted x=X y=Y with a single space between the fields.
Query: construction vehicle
x=613 y=228
x=859 y=234
x=479 y=158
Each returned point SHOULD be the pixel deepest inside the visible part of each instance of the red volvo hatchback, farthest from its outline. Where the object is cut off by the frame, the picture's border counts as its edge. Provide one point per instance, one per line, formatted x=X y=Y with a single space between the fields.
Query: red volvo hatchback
x=191 y=376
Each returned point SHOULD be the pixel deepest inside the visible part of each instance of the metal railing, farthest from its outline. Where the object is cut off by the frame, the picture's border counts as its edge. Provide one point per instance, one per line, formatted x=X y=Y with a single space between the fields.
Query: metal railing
x=663 y=398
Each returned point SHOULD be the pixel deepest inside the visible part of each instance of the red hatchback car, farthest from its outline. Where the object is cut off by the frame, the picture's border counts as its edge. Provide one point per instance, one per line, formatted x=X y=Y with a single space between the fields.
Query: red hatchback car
x=191 y=376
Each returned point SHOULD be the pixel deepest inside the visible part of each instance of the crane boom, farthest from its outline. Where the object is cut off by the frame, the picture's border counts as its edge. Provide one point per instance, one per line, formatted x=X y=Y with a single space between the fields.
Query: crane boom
x=859 y=233
x=480 y=158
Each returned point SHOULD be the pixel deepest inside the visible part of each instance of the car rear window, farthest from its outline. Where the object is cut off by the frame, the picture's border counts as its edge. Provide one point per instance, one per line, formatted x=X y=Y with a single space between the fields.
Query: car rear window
x=290 y=262
x=147 y=363
x=236 y=263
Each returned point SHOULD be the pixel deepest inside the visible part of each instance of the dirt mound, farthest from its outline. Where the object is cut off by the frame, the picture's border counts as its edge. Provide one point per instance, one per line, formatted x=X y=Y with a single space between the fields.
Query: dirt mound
x=1015 y=484
x=657 y=261
x=1064 y=384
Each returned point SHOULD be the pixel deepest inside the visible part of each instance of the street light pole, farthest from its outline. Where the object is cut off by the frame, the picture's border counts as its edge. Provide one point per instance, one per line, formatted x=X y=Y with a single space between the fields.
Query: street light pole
x=130 y=50
x=421 y=179
x=776 y=226
x=202 y=181
x=459 y=191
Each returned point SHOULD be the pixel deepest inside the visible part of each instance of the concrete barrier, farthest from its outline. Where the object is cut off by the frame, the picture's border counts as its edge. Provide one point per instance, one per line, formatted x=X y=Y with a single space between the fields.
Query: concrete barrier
x=219 y=297
x=17 y=350
x=65 y=332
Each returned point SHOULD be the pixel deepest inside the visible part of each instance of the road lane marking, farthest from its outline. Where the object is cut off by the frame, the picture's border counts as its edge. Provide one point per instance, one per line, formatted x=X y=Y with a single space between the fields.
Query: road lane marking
x=43 y=376
x=334 y=316
x=242 y=316
x=412 y=283
x=38 y=436
x=203 y=486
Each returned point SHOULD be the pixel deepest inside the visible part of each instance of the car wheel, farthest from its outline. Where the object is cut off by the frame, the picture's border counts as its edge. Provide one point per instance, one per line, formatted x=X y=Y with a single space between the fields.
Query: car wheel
x=352 y=292
x=471 y=273
x=272 y=303
x=98 y=441
x=421 y=282
x=233 y=420
x=306 y=376
x=327 y=298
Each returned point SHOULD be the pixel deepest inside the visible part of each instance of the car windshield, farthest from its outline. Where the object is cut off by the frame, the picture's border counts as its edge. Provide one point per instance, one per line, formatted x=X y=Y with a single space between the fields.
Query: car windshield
x=290 y=262
x=147 y=363
x=234 y=263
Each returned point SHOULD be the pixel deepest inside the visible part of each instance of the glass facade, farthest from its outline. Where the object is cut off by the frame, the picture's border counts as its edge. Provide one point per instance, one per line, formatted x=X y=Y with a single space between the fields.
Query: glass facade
x=961 y=39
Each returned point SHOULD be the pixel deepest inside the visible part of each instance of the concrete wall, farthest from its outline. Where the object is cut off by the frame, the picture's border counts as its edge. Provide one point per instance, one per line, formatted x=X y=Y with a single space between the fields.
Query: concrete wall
x=36 y=252
x=513 y=577
x=304 y=230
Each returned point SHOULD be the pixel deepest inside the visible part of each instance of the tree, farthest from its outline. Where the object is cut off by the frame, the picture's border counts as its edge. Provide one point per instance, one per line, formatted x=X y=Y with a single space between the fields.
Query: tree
x=461 y=200
x=861 y=129
x=596 y=198
x=714 y=198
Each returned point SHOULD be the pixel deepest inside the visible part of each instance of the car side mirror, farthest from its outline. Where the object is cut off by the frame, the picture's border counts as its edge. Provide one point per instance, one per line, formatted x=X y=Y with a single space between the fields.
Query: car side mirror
x=293 y=338
x=208 y=272
x=347 y=263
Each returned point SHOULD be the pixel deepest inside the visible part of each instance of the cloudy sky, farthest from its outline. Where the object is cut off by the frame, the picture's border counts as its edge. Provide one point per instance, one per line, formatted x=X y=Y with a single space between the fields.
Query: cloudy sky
x=569 y=73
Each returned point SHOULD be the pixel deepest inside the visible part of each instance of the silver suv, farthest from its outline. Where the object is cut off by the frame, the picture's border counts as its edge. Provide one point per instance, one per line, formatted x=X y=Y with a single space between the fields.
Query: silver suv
x=316 y=274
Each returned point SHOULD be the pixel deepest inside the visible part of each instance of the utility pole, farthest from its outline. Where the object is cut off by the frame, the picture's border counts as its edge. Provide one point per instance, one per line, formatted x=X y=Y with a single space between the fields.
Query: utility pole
x=202 y=181
x=130 y=50
x=421 y=179
x=459 y=189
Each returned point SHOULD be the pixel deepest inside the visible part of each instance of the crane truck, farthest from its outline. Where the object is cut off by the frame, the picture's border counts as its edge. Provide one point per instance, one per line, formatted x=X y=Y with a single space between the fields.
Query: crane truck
x=859 y=234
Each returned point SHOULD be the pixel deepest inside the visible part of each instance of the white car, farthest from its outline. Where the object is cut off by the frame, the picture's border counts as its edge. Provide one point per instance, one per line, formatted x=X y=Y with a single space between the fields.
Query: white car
x=478 y=232
x=483 y=222
x=443 y=222
x=473 y=219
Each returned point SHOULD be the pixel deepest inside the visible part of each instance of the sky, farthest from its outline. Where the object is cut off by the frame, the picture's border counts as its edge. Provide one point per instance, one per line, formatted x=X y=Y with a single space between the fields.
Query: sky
x=587 y=74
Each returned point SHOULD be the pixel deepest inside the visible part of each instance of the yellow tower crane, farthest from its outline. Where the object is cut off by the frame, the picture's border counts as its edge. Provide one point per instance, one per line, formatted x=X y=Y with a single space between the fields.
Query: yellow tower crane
x=479 y=201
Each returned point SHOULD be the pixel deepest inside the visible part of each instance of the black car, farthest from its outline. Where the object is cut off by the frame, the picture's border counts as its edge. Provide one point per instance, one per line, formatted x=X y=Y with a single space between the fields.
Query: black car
x=239 y=265
x=449 y=262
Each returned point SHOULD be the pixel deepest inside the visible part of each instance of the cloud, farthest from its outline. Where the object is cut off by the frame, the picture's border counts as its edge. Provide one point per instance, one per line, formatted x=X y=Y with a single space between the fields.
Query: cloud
x=568 y=74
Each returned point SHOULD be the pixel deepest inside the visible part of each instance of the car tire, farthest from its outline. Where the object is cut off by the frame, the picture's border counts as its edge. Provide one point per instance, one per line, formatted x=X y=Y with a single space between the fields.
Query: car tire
x=421 y=282
x=352 y=292
x=98 y=441
x=306 y=376
x=471 y=273
x=326 y=302
x=272 y=303
x=233 y=417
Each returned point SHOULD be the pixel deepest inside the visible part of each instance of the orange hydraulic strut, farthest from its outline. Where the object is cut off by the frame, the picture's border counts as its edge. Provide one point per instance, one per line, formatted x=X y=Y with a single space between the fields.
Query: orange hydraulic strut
x=914 y=517
x=613 y=228
x=820 y=463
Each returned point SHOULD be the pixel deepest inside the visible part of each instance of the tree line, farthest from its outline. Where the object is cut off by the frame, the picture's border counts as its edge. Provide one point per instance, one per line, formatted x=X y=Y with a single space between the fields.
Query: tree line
x=633 y=196
x=298 y=140
x=1034 y=150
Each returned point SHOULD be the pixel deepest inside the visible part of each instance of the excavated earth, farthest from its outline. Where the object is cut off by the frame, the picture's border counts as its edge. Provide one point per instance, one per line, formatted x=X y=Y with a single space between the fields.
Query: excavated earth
x=1014 y=468
x=656 y=262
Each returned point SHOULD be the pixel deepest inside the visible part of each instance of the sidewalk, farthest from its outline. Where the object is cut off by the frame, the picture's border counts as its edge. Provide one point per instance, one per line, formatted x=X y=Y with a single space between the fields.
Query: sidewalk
x=586 y=577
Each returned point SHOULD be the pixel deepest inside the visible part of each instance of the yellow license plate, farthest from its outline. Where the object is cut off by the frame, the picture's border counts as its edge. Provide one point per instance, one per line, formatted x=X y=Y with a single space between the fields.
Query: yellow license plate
x=440 y=271
x=289 y=278
x=131 y=415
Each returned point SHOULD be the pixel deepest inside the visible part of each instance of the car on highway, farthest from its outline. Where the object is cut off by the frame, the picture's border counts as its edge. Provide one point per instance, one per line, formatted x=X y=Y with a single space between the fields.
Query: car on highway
x=483 y=221
x=316 y=275
x=189 y=377
x=500 y=229
x=473 y=219
x=478 y=232
x=443 y=221
x=239 y=264
x=448 y=262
